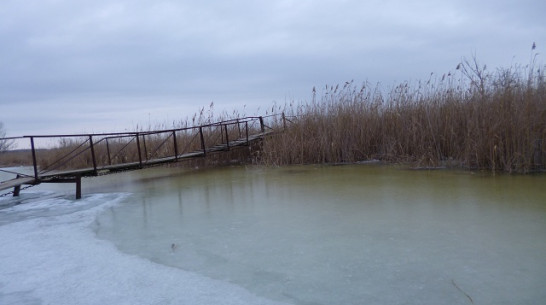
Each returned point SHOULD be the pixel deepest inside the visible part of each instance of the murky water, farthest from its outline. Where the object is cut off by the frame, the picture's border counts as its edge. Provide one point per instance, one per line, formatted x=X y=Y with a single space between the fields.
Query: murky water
x=362 y=234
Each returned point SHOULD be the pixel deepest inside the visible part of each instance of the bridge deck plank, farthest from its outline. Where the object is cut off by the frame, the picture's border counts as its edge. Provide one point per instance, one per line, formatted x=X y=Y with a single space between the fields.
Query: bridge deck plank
x=16 y=182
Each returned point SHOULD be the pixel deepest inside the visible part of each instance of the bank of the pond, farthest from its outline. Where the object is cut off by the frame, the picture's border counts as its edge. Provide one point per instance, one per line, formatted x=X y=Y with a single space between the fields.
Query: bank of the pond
x=50 y=255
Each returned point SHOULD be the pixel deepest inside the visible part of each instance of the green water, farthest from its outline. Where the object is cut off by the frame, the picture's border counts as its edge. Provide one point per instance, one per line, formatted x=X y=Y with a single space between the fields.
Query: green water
x=362 y=234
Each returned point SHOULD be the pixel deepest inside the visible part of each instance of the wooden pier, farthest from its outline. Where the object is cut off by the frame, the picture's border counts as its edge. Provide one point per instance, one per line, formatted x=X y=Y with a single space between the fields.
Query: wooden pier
x=108 y=153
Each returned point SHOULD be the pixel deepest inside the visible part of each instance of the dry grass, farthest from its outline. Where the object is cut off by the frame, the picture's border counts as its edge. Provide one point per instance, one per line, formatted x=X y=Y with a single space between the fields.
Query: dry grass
x=471 y=119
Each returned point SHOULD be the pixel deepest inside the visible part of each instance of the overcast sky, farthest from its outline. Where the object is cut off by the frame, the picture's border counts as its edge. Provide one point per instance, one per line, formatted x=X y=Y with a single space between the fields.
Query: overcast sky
x=70 y=66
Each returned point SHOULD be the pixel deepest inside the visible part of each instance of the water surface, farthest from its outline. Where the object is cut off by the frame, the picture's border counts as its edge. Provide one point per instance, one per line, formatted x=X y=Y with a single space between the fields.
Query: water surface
x=360 y=234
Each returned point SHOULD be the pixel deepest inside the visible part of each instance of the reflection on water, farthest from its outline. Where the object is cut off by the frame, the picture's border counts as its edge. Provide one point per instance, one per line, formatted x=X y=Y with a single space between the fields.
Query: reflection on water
x=344 y=234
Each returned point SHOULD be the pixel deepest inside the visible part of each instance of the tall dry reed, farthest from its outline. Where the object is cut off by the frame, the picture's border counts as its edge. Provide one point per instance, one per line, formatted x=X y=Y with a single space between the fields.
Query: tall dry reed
x=472 y=118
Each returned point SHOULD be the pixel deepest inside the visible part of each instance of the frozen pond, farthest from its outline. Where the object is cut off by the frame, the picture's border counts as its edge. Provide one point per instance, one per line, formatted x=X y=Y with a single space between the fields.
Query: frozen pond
x=361 y=234
x=50 y=255
x=345 y=234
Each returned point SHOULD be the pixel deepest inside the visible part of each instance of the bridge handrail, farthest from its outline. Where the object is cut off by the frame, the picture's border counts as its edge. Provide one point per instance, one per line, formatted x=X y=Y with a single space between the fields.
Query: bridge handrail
x=100 y=137
x=12 y=138
x=132 y=133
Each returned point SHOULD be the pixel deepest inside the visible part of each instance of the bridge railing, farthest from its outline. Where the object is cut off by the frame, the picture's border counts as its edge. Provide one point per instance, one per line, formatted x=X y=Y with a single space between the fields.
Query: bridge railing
x=14 y=153
x=102 y=151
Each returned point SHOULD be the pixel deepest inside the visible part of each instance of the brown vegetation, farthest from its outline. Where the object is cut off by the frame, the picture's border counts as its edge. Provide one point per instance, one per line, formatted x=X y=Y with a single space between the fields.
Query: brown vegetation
x=470 y=119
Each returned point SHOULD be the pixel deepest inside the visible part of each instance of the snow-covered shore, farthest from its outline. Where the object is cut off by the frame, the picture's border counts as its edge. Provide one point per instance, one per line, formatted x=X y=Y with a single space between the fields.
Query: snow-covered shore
x=50 y=255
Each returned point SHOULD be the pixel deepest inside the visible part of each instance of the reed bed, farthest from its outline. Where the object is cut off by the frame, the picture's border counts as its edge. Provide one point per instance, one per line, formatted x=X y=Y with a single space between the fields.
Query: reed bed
x=473 y=119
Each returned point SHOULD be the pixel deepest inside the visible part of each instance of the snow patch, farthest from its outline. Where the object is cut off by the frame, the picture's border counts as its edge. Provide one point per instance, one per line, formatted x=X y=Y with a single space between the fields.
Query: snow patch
x=50 y=255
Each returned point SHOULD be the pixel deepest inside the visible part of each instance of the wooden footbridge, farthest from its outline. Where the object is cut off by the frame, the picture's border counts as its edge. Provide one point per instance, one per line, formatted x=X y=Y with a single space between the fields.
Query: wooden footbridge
x=68 y=158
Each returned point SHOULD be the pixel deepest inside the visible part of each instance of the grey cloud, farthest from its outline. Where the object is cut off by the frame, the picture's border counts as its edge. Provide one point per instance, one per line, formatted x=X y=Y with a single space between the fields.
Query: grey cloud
x=228 y=51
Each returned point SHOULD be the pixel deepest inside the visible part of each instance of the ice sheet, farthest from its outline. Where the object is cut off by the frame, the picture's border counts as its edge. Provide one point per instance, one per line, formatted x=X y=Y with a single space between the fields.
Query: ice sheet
x=49 y=255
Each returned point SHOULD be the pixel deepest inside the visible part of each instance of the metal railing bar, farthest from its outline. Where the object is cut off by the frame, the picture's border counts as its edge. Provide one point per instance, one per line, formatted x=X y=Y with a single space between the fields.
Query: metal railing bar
x=158 y=147
x=185 y=149
x=47 y=168
x=16 y=173
x=132 y=133
x=119 y=151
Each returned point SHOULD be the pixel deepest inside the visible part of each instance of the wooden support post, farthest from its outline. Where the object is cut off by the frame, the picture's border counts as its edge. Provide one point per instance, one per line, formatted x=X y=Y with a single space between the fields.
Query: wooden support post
x=108 y=152
x=145 y=148
x=77 y=178
x=283 y=121
x=138 y=149
x=17 y=188
x=227 y=138
x=262 y=126
x=34 y=158
x=78 y=187
x=93 y=155
x=202 y=140
x=175 y=146
x=246 y=127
